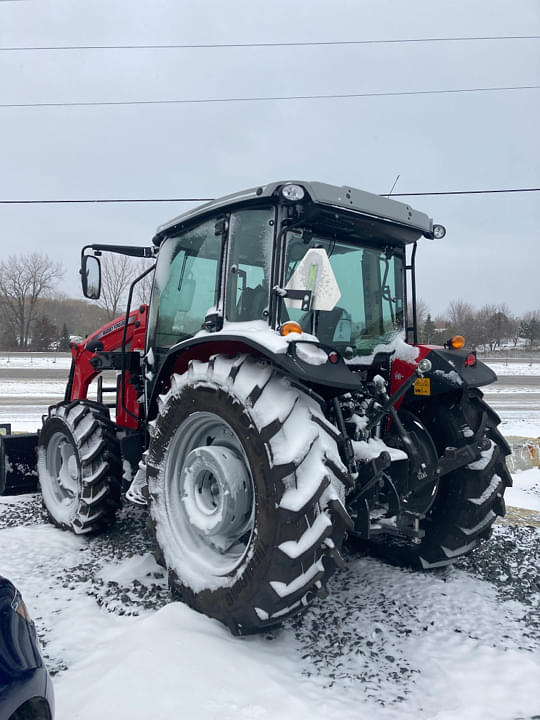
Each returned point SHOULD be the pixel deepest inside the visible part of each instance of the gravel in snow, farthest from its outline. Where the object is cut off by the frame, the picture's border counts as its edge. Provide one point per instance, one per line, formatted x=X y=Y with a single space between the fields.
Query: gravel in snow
x=386 y=643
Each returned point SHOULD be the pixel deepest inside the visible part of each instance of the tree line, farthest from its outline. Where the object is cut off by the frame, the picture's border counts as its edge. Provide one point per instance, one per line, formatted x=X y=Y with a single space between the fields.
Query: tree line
x=489 y=328
x=35 y=316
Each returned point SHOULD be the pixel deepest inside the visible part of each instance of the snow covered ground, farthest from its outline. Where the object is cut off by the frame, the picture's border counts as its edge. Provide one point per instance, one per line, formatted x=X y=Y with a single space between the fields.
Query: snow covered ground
x=387 y=643
x=43 y=361
x=526 y=490
x=512 y=368
x=29 y=383
x=37 y=361
x=34 y=388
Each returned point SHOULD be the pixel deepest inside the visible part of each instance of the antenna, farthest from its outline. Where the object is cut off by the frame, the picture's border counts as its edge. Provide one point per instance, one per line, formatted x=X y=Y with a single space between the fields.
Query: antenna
x=393 y=186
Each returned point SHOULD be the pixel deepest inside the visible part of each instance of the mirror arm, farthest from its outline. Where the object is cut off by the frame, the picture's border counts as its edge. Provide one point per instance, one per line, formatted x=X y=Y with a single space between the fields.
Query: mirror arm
x=132 y=250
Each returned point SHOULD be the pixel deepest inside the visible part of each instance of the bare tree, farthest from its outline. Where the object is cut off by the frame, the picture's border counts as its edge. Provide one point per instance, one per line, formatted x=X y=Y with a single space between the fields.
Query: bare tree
x=461 y=320
x=460 y=312
x=422 y=311
x=23 y=280
x=499 y=326
x=117 y=272
x=144 y=287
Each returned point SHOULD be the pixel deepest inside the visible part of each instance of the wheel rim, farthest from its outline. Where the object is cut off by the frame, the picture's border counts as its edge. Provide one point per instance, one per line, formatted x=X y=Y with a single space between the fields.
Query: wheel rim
x=63 y=471
x=209 y=497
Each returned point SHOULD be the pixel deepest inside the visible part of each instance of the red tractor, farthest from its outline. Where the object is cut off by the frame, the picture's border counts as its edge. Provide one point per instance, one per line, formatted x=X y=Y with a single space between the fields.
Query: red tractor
x=272 y=399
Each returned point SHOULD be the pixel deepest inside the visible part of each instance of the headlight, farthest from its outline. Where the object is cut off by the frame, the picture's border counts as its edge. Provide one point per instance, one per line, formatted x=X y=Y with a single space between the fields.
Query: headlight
x=310 y=353
x=292 y=193
x=439 y=231
x=19 y=651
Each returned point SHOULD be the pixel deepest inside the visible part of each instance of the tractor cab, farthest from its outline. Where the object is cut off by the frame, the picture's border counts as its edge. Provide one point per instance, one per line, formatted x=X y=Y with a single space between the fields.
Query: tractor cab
x=325 y=261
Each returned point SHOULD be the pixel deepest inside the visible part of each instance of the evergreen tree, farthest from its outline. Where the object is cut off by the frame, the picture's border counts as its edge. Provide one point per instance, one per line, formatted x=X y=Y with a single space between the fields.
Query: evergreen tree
x=45 y=334
x=64 y=341
x=530 y=329
x=428 y=331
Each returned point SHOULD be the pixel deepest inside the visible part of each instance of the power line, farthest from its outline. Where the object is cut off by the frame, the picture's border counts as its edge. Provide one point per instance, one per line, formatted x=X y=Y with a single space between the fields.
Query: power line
x=103 y=201
x=205 y=46
x=333 y=96
x=209 y=199
x=467 y=192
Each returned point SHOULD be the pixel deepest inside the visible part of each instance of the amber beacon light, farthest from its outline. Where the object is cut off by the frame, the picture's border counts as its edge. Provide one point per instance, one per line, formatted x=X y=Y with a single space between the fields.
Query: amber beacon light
x=457 y=342
x=290 y=327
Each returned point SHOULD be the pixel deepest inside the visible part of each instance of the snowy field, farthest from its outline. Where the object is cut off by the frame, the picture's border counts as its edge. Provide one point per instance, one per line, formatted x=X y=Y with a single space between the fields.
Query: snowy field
x=388 y=643
x=30 y=382
x=38 y=361
x=512 y=367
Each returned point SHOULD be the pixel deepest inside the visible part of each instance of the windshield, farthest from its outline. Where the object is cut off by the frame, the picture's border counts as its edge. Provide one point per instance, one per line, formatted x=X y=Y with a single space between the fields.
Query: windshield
x=357 y=292
x=185 y=284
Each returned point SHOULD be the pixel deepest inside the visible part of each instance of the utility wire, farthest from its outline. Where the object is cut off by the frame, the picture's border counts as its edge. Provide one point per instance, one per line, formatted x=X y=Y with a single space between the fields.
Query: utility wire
x=204 y=46
x=208 y=199
x=467 y=192
x=333 y=96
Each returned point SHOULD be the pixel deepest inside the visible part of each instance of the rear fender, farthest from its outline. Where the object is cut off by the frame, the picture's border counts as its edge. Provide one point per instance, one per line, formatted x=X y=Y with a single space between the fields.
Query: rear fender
x=449 y=372
x=326 y=380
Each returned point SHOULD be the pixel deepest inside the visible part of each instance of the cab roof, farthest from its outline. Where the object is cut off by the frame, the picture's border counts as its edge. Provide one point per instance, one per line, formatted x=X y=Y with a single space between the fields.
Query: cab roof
x=344 y=198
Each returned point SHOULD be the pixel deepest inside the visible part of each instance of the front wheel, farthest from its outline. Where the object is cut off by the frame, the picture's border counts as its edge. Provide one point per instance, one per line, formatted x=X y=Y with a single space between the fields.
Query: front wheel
x=246 y=497
x=79 y=467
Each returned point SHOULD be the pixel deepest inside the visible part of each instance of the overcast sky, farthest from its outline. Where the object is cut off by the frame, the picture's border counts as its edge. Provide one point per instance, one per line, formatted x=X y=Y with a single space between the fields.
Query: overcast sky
x=438 y=142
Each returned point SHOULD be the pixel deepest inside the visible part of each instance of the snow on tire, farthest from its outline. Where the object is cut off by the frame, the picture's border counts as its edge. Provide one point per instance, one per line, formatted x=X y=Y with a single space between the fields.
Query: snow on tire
x=245 y=492
x=79 y=467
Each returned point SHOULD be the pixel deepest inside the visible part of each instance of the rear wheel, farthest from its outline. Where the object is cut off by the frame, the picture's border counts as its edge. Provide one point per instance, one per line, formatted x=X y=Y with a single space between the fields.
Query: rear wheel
x=469 y=499
x=79 y=467
x=245 y=493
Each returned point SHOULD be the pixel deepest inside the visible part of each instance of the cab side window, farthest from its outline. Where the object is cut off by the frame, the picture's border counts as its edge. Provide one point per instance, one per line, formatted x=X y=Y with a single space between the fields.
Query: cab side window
x=186 y=283
x=249 y=266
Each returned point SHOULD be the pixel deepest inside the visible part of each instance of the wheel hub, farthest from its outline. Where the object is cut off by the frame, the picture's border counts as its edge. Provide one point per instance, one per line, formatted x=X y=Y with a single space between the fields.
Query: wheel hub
x=215 y=491
x=68 y=471
x=209 y=497
x=63 y=468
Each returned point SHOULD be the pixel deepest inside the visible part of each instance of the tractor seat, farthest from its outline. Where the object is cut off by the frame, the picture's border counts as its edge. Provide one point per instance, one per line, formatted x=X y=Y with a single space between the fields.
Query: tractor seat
x=332 y=327
x=252 y=303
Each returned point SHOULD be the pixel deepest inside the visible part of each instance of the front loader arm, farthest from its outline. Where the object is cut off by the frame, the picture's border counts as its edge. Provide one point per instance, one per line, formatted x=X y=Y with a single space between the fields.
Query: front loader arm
x=85 y=365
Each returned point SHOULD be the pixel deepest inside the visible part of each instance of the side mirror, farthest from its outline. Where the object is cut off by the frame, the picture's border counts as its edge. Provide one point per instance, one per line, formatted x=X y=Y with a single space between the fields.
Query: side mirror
x=91 y=277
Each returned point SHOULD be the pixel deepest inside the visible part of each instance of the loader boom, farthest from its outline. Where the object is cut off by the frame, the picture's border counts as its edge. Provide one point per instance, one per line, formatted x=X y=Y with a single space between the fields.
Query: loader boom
x=96 y=353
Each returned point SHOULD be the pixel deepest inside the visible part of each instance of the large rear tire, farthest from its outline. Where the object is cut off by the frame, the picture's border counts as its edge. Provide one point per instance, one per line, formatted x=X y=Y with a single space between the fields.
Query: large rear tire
x=79 y=467
x=470 y=498
x=245 y=493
